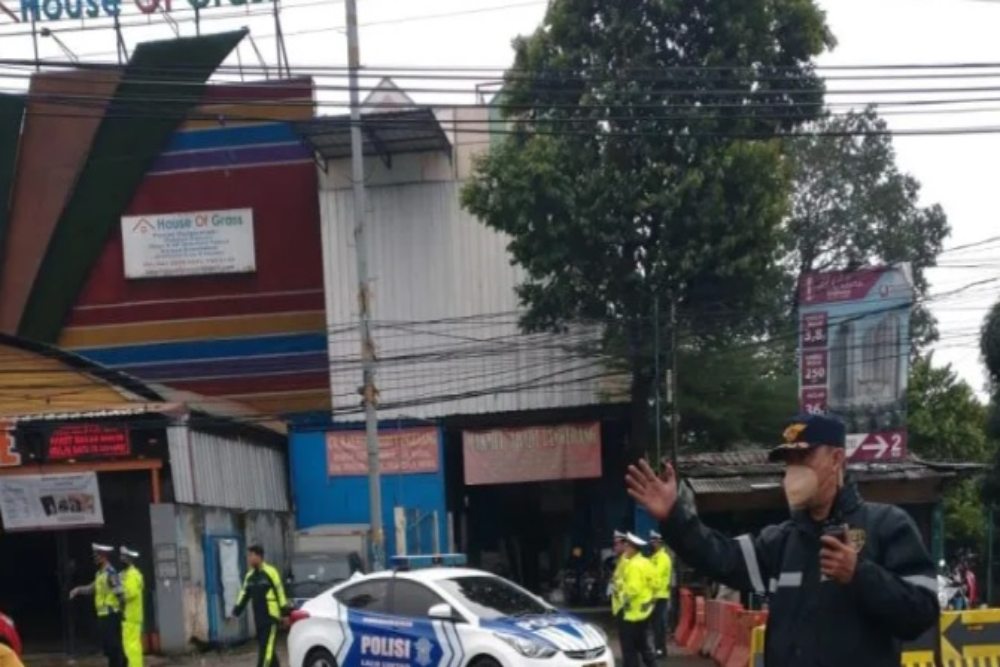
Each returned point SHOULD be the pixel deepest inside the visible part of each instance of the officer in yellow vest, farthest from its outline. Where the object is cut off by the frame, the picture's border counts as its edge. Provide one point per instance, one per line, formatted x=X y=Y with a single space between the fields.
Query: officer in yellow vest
x=107 y=592
x=637 y=604
x=663 y=567
x=616 y=584
x=262 y=587
x=133 y=590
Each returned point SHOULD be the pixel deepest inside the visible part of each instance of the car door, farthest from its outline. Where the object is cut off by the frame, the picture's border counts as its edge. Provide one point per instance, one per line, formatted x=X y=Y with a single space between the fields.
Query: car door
x=428 y=642
x=367 y=623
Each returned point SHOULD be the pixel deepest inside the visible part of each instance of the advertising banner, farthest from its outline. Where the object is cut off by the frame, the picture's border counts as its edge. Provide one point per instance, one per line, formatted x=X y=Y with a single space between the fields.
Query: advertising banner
x=854 y=344
x=401 y=452
x=533 y=454
x=188 y=244
x=77 y=442
x=50 y=502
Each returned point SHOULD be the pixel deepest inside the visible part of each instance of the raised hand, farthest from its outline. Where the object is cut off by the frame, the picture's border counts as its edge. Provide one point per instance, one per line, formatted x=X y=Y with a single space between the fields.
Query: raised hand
x=657 y=494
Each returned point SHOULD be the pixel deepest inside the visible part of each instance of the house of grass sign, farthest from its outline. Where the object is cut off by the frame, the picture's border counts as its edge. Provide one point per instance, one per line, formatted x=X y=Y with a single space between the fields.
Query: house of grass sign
x=55 y=10
x=854 y=342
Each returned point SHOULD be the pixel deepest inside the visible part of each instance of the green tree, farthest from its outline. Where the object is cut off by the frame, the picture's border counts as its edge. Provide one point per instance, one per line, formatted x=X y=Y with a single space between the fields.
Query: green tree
x=618 y=192
x=853 y=207
x=946 y=422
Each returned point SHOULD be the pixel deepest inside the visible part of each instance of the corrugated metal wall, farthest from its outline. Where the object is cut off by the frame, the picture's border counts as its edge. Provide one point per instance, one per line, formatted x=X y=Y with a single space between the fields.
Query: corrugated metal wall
x=445 y=309
x=228 y=472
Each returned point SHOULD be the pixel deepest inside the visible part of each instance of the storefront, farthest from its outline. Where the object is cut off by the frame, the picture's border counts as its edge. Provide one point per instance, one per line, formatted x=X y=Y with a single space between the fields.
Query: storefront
x=90 y=455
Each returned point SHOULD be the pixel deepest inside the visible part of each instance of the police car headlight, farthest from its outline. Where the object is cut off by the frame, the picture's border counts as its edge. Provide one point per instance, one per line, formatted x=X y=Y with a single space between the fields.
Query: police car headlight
x=529 y=648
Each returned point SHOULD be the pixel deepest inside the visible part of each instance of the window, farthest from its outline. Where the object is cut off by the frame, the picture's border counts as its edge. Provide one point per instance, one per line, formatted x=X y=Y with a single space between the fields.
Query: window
x=412 y=599
x=367 y=596
x=492 y=597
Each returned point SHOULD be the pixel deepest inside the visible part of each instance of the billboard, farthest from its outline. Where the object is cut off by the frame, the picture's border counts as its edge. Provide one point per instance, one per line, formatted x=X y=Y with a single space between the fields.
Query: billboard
x=533 y=454
x=401 y=452
x=49 y=502
x=854 y=347
x=188 y=244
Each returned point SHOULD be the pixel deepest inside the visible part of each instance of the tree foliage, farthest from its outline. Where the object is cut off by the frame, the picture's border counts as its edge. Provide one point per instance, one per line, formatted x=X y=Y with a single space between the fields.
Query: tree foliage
x=852 y=206
x=614 y=201
x=945 y=420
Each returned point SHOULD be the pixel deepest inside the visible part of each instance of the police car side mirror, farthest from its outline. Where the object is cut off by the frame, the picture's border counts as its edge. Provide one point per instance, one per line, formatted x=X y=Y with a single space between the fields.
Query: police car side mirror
x=442 y=612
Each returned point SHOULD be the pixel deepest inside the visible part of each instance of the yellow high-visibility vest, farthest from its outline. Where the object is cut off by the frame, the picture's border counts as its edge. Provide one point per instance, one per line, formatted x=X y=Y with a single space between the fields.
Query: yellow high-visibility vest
x=638 y=588
x=133 y=590
x=107 y=589
x=663 y=567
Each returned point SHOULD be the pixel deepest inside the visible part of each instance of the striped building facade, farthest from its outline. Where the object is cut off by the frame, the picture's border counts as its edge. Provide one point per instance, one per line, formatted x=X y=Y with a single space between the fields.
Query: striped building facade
x=256 y=338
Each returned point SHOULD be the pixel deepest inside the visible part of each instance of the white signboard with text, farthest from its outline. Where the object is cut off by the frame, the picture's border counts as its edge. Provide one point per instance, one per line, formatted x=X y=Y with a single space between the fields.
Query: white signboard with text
x=188 y=244
x=50 y=502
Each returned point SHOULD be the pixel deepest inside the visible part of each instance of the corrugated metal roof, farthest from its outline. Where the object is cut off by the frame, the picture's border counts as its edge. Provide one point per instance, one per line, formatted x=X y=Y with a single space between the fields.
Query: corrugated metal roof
x=385 y=134
x=445 y=311
x=746 y=471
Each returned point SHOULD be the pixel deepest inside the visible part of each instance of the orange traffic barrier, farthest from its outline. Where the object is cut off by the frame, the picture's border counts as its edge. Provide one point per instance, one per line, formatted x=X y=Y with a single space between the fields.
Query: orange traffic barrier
x=743 y=649
x=685 y=618
x=713 y=627
x=729 y=618
x=697 y=636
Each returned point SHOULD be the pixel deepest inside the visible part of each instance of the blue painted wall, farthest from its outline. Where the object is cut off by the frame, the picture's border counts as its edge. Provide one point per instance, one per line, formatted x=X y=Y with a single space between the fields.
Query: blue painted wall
x=320 y=499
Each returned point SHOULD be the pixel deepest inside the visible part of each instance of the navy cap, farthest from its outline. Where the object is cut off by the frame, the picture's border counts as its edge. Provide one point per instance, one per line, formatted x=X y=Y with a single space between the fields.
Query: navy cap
x=808 y=432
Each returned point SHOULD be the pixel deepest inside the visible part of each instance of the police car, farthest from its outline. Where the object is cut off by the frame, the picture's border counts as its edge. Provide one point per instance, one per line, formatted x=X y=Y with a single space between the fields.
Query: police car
x=440 y=616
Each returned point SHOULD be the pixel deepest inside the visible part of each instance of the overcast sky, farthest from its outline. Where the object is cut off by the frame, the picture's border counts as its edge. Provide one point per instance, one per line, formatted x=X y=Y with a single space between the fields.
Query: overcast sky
x=959 y=172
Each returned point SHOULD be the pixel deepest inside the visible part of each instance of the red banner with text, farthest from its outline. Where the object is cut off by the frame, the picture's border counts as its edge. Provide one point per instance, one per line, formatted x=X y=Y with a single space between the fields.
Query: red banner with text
x=533 y=454
x=401 y=452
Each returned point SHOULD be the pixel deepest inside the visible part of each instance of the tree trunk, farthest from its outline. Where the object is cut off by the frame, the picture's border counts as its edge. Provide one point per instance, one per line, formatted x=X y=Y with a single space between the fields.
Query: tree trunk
x=640 y=434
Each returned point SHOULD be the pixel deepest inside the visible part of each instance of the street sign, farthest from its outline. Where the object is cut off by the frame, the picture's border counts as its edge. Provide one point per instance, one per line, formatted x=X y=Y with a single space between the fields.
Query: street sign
x=970 y=636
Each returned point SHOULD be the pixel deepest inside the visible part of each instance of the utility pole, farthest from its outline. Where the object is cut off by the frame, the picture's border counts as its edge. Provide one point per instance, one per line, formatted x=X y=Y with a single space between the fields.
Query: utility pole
x=656 y=378
x=368 y=390
x=675 y=416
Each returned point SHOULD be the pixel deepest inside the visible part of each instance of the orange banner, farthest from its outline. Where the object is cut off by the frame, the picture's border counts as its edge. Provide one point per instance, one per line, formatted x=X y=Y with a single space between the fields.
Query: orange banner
x=506 y=455
x=405 y=451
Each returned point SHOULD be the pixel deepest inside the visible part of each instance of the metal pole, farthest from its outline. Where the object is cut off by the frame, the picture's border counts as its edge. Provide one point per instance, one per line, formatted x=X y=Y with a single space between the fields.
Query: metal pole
x=989 y=558
x=675 y=415
x=34 y=39
x=656 y=377
x=368 y=390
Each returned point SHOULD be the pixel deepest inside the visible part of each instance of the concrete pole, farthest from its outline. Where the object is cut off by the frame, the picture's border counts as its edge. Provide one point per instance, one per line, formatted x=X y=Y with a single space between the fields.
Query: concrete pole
x=368 y=391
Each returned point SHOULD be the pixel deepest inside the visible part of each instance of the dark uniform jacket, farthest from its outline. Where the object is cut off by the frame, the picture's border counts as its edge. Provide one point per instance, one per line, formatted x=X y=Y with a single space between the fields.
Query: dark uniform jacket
x=812 y=623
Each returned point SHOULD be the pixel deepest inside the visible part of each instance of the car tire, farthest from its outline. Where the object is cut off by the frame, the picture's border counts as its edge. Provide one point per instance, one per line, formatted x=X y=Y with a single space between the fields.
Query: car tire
x=320 y=657
x=484 y=661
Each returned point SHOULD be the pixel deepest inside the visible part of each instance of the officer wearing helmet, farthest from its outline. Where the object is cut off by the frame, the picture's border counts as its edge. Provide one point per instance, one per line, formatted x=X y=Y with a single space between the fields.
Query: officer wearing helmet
x=848 y=580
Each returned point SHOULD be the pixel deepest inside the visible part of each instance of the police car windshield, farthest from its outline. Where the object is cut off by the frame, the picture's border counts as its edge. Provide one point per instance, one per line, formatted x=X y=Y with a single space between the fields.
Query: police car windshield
x=491 y=598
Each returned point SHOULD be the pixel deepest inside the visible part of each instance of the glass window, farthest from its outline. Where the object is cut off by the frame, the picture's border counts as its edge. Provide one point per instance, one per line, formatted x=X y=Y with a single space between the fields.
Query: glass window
x=412 y=599
x=492 y=597
x=366 y=596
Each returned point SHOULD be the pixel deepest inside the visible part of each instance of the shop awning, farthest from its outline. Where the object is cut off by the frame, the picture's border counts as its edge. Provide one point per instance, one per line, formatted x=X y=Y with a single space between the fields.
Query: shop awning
x=745 y=479
x=384 y=134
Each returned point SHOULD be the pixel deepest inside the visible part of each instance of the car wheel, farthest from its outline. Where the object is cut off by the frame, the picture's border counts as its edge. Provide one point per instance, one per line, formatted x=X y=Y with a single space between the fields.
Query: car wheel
x=485 y=662
x=320 y=657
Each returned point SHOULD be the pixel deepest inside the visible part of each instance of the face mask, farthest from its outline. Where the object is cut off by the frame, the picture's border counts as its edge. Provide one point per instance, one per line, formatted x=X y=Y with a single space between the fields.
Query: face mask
x=801 y=485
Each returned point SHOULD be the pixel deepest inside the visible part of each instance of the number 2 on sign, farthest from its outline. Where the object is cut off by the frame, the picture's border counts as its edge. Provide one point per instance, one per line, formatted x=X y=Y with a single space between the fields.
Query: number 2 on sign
x=896 y=446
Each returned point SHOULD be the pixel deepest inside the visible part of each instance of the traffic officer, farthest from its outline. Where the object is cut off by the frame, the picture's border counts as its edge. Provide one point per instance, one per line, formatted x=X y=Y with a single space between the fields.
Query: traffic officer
x=637 y=600
x=616 y=585
x=133 y=591
x=663 y=568
x=107 y=592
x=849 y=580
x=262 y=587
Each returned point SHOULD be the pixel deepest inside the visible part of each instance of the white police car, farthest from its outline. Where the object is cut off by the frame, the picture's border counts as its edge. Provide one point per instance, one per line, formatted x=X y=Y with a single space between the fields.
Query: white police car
x=441 y=616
